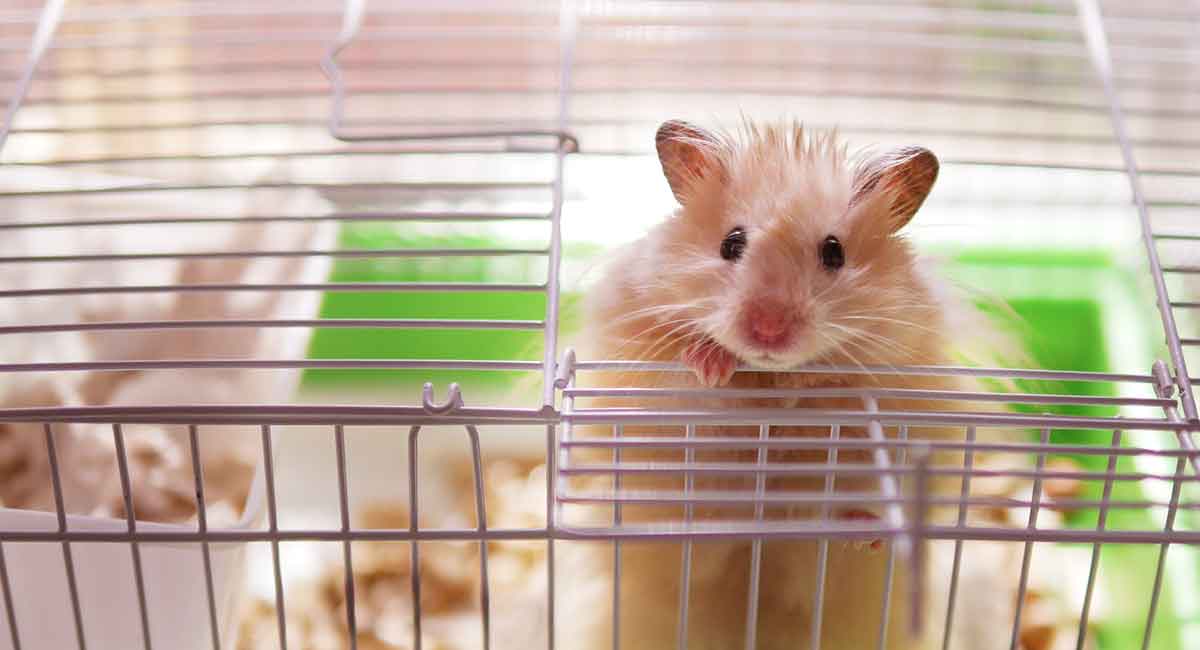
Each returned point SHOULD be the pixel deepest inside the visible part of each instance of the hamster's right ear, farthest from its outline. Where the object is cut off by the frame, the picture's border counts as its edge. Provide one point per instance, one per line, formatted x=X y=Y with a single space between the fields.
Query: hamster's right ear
x=901 y=177
x=687 y=154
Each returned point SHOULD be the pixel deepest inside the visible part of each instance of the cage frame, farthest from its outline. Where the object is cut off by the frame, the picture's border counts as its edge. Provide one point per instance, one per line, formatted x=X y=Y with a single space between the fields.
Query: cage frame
x=1169 y=378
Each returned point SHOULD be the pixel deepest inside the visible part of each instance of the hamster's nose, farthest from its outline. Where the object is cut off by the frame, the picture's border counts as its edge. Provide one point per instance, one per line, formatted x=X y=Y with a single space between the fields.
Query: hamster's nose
x=768 y=323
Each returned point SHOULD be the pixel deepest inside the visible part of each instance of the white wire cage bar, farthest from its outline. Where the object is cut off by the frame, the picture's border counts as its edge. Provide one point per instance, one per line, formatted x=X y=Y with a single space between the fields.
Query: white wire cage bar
x=200 y=174
x=972 y=414
x=1087 y=82
x=137 y=533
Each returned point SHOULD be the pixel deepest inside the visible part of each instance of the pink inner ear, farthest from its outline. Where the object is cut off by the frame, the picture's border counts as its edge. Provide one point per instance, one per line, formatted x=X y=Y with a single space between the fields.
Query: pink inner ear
x=692 y=159
x=681 y=151
x=903 y=177
x=865 y=181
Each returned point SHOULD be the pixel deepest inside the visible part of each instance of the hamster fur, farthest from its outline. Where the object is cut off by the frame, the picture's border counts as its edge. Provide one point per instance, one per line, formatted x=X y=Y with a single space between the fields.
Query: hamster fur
x=789 y=299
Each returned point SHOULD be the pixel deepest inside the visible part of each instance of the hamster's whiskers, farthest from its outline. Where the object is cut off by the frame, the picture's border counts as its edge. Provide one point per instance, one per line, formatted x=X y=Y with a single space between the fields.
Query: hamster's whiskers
x=826 y=291
x=883 y=341
x=839 y=349
x=884 y=319
x=863 y=340
x=678 y=323
x=651 y=310
x=666 y=340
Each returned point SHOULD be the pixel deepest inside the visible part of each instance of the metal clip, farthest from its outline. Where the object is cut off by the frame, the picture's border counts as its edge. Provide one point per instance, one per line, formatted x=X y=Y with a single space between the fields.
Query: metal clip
x=454 y=400
x=566 y=369
x=1164 y=385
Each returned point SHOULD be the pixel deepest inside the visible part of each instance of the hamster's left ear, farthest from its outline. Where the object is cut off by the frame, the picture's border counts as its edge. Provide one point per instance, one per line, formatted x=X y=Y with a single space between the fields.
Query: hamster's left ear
x=687 y=155
x=900 y=178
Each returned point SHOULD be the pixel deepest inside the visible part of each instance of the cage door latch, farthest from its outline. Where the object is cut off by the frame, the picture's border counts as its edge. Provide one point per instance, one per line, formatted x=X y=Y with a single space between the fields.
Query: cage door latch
x=454 y=400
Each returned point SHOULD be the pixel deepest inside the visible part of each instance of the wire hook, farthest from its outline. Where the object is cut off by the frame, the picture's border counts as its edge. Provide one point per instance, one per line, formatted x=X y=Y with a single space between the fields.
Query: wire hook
x=454 y=400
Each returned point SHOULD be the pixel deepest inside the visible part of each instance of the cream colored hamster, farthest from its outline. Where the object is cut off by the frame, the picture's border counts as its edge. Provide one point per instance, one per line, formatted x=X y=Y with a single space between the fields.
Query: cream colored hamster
x=785 y=251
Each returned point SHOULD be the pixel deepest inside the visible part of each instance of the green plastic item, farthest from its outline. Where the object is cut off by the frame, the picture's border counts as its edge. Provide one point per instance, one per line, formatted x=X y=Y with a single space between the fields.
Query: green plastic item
x=1081 y=311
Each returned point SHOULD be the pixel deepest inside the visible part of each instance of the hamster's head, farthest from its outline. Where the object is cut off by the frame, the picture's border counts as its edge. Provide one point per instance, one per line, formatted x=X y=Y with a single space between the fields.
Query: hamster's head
x=786 y=250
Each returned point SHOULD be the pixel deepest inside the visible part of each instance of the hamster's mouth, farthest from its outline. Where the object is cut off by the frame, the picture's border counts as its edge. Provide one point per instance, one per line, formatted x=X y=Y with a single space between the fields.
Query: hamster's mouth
x=797 y=348
x=798 y=353
x=769 y=360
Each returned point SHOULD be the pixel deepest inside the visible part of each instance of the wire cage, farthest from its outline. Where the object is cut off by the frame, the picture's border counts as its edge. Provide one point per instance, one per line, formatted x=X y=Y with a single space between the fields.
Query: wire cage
x=349 y=241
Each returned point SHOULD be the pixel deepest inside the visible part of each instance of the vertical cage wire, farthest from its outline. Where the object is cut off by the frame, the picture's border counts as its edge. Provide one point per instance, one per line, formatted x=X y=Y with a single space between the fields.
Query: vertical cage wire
x=685 y=571
x=551 y=505
x=1172 y=510
x=1092 y=26
x=273 y=527
x=347 y=556
x=131 y=519
x=1101 y=521
x=9 y=613
x=890 y=571
x=617 y=520
x=214 y=629
x=916 y=588
x=1027 y=553
x=823 y=546
x=756 y=544
x=414 y=525
x=964 y=492
x=61 y=514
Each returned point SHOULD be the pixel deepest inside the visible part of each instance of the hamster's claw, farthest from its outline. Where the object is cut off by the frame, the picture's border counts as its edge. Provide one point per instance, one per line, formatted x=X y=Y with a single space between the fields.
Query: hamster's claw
x=858 y=514
x=713 y=364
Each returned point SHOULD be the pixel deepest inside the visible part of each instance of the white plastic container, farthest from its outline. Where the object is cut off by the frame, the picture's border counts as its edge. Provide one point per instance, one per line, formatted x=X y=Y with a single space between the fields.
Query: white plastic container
x=173 y=575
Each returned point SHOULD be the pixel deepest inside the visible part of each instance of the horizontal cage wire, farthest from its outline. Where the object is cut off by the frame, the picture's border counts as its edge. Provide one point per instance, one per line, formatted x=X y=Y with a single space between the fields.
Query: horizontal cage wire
x=296 y=351
x=272 y=204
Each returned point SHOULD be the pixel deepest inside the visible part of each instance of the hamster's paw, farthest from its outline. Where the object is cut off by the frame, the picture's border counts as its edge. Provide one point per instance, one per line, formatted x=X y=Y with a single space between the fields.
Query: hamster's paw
x=712 y=363
x=858 y=514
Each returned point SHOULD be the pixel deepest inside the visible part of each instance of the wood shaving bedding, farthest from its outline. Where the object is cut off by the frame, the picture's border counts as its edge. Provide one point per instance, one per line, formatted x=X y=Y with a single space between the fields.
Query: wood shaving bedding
x=515 y=495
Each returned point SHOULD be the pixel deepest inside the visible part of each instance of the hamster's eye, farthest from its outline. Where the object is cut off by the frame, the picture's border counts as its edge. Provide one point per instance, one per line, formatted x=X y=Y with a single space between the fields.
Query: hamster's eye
x=734 y=244
x=832 y=254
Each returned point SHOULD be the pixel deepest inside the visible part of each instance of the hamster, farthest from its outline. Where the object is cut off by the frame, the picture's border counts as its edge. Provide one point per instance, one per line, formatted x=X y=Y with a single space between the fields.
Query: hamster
x=782 y=254
x=786 y=251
